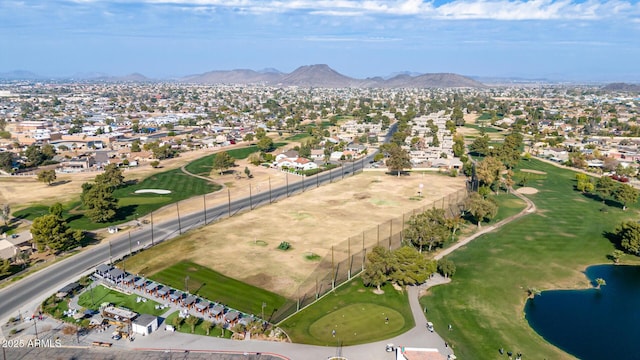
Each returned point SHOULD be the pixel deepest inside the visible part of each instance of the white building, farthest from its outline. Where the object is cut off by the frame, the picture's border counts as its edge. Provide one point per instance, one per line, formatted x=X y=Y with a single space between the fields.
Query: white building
x=145 y=324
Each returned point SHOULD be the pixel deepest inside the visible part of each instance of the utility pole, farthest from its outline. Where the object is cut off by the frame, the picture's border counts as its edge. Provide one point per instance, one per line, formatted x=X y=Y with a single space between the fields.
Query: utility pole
x=110 y=258
x=179 y=222
x=287 y=176
x=204 y=205
x=250 y=198
x=152 y=229
x=229 y=201
x=317 y=183
x=269 y=189
x=302 y=182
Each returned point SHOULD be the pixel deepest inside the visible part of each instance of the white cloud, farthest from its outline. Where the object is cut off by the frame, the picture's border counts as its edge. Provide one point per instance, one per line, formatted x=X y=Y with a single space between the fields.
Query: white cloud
x=456 y=9
x=349 y=39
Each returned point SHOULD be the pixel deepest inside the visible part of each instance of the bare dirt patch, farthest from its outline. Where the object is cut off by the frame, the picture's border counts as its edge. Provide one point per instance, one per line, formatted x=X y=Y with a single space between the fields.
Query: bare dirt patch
x=533 y=171
x=527 y=190
x=314 y=221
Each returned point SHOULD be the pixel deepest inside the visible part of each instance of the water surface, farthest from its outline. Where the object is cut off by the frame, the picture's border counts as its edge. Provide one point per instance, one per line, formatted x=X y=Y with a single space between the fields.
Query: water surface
x=592 y=324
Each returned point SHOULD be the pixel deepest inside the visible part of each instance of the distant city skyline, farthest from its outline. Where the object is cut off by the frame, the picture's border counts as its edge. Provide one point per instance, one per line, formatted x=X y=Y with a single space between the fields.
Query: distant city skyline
x=588 y=40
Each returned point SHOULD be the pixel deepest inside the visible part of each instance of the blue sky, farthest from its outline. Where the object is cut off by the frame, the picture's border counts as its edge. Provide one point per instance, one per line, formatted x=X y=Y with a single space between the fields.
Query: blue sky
x=572 y=40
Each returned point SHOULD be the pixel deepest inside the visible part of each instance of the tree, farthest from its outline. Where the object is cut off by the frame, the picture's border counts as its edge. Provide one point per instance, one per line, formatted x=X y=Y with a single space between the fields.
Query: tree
x=154 y=164
x=458 y=145
x=99 y=203
x=626 y=194
x=600 y=282
x=52 y=232
x=446 y=267
x=480 y=208
x=207 y=326
x=584 y=183
x=135 y=146
x=378 y=267
x=616 y=255
x=427 y=229
x=5 y=267
x=265 y=144
x=489 y=172
x=6 y=213
x=56 y=209
x=6 y=161
x=627 y=234
x=112 y=176
x=510 y=151
x=480 y=145
x=457 y=116
x=398 y=159
x=222 y=161
x=410 y=267
x=177 y=322
x=47 y=176
x=605 y=187
x=192 y=321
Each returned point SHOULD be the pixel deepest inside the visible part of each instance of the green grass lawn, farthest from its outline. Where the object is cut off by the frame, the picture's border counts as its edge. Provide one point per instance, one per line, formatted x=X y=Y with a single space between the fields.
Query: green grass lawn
x=216 y=287
x=102 y=294
x=132 y=205
x=198 y=330
x=298 y=137
x=545 y=250
x=355 y=312
x=204 y=165
x=487 y=129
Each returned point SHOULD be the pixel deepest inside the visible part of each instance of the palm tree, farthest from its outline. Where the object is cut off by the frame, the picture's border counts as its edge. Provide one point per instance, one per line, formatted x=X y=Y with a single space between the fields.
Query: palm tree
x=192 y=321
x=207 y=326
x=177 y=322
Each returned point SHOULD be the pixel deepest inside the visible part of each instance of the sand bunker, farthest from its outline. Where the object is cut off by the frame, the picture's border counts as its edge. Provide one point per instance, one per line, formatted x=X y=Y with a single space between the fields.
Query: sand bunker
x=533 y=171
x=153 y=191
x=527 y=190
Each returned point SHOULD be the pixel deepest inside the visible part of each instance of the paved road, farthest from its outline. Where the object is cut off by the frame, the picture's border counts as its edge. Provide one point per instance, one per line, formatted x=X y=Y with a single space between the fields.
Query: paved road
x=49 y=280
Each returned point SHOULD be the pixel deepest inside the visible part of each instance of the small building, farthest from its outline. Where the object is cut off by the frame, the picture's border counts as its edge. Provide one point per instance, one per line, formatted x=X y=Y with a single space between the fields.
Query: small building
x=118 y=315
x=145 y=324
x=176 y=296
x=202 y=306
x=140 y=283
x=103 y=269
x=163 y=291
x=189 y=301
x=68 y=289
x=217 y=310
x=116 y=275
x=232 y=317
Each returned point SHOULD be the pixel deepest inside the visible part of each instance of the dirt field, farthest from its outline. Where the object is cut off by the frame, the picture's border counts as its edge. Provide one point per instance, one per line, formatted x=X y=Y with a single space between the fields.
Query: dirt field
x=245 y=246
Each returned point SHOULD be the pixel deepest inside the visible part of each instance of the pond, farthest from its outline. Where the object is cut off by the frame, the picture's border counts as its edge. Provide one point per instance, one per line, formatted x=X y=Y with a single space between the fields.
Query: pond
x=592 y=324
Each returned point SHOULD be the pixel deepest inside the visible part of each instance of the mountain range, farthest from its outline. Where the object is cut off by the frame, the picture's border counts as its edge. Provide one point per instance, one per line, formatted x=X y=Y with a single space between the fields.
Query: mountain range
x=320 y=75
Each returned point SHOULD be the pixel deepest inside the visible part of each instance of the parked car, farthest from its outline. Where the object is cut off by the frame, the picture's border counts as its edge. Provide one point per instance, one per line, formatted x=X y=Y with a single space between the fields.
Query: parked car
x=390 y=348
x=430 y=326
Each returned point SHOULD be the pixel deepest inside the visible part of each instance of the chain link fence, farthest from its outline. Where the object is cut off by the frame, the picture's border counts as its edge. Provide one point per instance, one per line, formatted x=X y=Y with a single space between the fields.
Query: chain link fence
x=347 y=258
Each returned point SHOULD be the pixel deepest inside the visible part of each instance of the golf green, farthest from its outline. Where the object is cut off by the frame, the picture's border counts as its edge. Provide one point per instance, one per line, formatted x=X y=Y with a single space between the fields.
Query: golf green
x=357 y=323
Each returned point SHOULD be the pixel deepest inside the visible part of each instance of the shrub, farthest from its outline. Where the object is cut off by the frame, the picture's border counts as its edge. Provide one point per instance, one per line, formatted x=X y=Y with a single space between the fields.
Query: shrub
x=284 y=246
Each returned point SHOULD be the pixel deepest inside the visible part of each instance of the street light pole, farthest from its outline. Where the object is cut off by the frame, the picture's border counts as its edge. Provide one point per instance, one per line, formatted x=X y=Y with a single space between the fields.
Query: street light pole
x=179 y=223
x=269 y=189
x=204 y=201
x=152 y=228
x=110 y=258
x=229 y=201
x=250 y=198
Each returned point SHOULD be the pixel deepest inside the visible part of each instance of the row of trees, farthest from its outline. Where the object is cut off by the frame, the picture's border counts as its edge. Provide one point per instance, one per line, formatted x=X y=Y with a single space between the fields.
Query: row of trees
x=607 y=189
x=403 y=266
